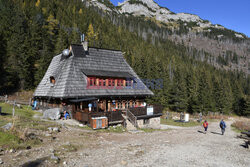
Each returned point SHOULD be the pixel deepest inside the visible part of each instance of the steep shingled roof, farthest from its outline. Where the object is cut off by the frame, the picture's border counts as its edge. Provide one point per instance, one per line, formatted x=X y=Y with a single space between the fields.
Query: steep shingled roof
x=71 y=74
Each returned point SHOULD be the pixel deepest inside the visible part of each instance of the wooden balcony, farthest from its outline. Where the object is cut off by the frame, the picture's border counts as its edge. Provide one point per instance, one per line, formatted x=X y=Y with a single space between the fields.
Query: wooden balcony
x=115 y=117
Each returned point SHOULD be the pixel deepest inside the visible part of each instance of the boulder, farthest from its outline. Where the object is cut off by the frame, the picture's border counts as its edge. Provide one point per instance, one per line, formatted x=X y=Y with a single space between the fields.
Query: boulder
x=7 y=126
x=55 y=158
x=56 y=129
x=52 y=114
x=53 y=129
x=19 y=105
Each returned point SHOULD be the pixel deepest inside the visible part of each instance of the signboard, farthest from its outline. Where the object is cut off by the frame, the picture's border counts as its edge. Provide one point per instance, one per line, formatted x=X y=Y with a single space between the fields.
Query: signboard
x=150 y=110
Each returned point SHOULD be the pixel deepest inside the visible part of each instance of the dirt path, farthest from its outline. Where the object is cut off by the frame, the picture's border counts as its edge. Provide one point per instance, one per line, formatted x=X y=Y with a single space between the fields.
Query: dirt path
x=177 y=147
x=180 y=147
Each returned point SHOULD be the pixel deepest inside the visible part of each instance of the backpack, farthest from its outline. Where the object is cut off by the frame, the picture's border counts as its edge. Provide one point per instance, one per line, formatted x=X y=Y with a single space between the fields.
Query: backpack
x=221 y=125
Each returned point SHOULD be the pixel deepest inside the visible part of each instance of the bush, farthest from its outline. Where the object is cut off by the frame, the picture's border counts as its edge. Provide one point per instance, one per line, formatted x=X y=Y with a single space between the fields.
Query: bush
x=242 y=125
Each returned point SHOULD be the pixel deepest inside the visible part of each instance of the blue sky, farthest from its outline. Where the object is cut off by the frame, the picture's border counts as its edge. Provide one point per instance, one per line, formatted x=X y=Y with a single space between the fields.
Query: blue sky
x=232 y=14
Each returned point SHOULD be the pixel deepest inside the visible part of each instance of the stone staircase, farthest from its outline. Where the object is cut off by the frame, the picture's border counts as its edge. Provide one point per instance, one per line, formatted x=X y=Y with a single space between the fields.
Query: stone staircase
x=129 y=125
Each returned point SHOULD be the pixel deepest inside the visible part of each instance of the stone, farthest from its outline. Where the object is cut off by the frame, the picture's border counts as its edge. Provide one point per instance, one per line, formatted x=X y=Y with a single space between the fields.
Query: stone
x=52 y=150
x=81 y=125
x=124 y=163
x=28 y=147
x=50 y=129
x=1 y=161
x=64 y=163
x=7 y=126
x=19 y=105
x=47 y=135
x=12 y=151
x=31 y=136
x=53 y=129
x=53 y=114
x=53 y=157
x=56 y=129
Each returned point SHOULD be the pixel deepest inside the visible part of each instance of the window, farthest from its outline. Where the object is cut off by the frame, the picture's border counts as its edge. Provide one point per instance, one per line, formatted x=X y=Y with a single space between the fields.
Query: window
x=101 y=82
x=121 y=82
x=109 y=82
x=92 y=82
x=129 y=83
x=52 y=80
x=118 y=82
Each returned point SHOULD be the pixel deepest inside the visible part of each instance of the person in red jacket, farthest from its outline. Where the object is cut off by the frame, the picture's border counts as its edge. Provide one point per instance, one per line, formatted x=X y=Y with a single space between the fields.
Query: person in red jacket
x=205 y=125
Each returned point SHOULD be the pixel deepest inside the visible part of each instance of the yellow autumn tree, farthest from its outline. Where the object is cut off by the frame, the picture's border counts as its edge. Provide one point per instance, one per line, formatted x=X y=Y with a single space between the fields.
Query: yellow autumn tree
x=37 y=3
x=52 y=25
x=80 y=11
x=91 y=35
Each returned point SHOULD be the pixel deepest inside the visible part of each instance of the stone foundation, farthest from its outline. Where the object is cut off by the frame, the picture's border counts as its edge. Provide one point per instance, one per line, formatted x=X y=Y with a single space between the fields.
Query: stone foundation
x=149 y=123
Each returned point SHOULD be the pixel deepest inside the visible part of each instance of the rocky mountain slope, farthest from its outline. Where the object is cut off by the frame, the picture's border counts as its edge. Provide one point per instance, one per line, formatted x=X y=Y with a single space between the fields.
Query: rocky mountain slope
x=215 y=44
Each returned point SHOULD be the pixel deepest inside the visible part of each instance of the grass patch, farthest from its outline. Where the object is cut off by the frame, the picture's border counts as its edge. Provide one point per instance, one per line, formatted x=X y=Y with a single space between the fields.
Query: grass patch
x=22 y=120
x=25 y=111
x=236 y=129
x=8 y=139
x=110 y=129
x=69 y=148
x=11 y=139
x=182 y=124
x=150 y=130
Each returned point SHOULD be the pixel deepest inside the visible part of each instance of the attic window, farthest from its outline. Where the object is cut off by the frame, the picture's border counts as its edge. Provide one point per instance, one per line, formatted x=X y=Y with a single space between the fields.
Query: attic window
x=52 y=80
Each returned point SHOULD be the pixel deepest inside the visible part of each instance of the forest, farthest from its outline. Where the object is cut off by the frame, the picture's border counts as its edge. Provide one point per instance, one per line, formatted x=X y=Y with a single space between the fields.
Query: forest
x=33 y=31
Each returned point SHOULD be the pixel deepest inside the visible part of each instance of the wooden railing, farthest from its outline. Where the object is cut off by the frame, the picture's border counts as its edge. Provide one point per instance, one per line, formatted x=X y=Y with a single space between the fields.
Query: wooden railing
x=86 y=116
x=140 y=111
x=132 y=118
x=113 y=116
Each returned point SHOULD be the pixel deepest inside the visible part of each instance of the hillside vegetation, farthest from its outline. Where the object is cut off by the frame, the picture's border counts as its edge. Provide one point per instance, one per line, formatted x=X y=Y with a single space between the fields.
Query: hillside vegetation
x=33 y=31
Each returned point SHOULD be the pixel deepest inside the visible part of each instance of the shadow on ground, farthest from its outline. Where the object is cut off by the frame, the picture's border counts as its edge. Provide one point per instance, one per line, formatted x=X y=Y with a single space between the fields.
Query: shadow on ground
x=201 y=131
x=5 y=114
x=35 y=163
x=216 y=133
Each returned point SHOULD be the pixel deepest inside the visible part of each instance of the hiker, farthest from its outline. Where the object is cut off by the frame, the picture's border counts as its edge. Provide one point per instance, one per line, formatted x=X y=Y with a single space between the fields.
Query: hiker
x=222 y=126
x=205 y=125
x=200 y=116
x=66 y=115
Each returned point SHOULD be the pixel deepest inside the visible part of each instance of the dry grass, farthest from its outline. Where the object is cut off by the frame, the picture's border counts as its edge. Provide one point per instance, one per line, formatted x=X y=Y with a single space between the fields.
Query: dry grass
x=242 y=125
x=216 y=117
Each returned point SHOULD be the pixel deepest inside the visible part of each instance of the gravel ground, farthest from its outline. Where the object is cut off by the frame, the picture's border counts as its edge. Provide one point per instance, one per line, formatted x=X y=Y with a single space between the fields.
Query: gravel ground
x=175 y=147
x=179 y=147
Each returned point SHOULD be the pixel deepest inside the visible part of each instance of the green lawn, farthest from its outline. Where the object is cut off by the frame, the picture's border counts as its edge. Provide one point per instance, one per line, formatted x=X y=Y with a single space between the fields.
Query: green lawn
x=176 y=123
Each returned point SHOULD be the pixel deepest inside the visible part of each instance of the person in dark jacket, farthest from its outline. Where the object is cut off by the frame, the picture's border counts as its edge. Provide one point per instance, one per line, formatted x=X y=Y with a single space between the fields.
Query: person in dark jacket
x=222 y=126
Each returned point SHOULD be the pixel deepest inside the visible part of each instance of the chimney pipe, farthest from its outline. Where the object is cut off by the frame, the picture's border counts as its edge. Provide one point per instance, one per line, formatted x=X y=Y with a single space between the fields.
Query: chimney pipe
x=85 y=46
x=84 y=43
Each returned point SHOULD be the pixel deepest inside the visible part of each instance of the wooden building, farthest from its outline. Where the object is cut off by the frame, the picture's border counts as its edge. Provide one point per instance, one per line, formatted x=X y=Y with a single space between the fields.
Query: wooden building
x=92 y=82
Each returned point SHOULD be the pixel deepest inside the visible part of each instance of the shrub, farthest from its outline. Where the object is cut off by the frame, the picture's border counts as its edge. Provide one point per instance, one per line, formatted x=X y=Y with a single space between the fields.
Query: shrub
x=242 y=125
